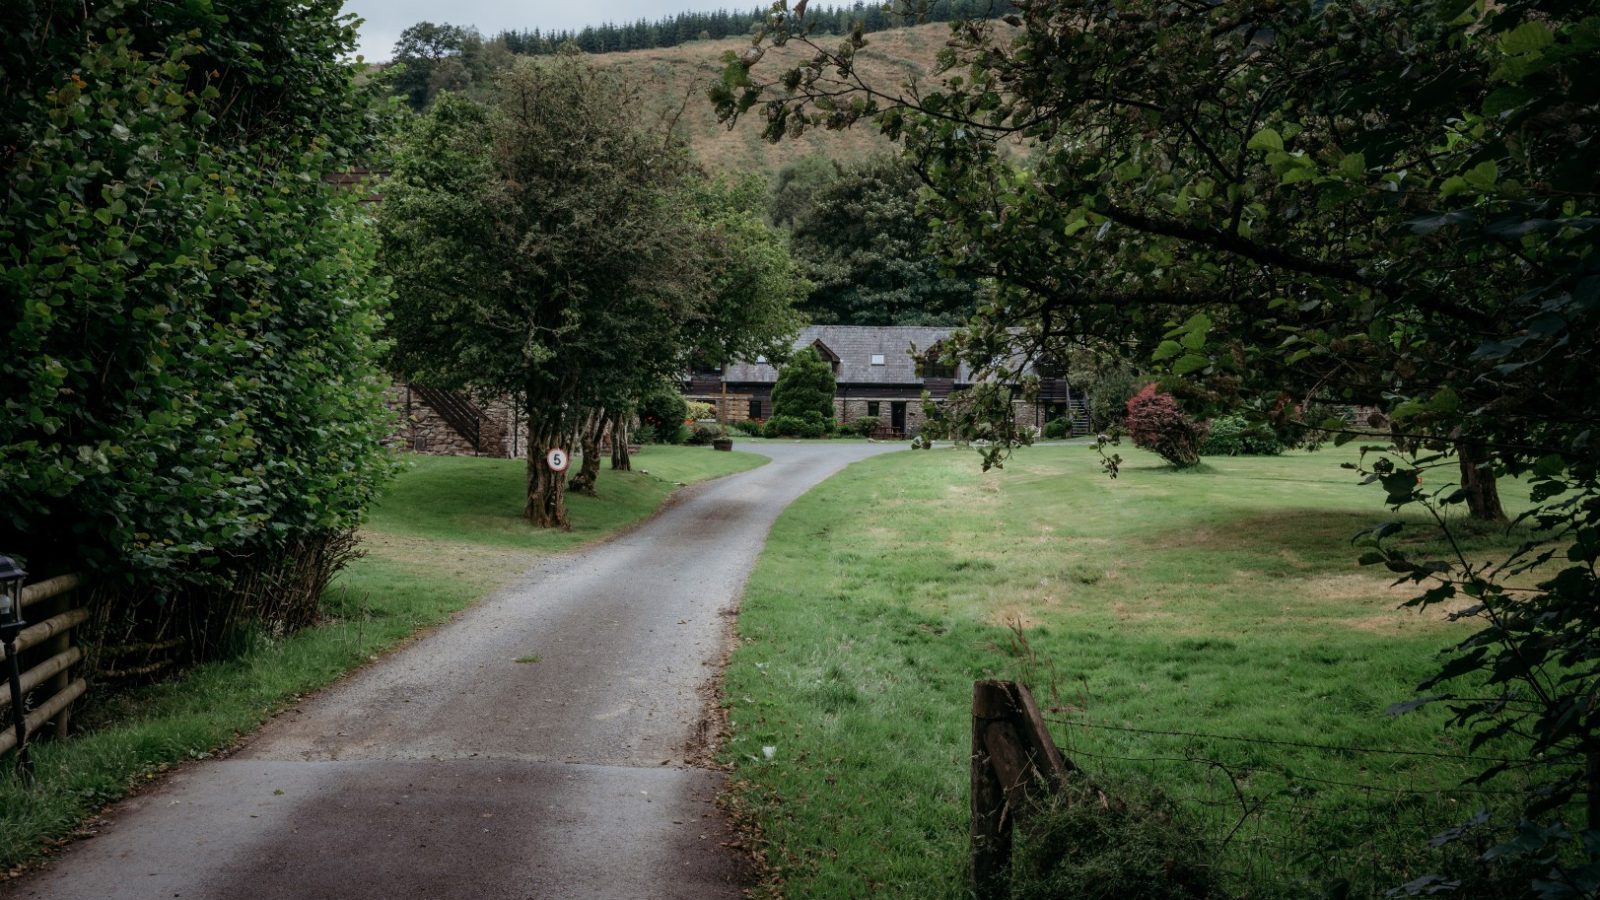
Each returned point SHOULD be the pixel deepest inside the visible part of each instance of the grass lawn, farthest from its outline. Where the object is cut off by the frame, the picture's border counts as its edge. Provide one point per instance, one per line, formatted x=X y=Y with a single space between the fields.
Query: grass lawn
x=447 y=532
x=1222 y=601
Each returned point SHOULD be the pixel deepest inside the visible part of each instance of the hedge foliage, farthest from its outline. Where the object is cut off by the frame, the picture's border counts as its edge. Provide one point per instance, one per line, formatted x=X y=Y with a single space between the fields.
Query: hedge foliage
x=1239 y=436
x=190 y=380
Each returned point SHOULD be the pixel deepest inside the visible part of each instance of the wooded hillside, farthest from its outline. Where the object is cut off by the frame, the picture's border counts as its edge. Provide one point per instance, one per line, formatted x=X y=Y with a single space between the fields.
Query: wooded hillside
x=675 y=82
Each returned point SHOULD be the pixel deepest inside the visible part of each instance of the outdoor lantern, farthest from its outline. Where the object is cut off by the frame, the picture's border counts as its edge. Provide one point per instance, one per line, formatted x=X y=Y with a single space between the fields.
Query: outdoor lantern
x=11 y=578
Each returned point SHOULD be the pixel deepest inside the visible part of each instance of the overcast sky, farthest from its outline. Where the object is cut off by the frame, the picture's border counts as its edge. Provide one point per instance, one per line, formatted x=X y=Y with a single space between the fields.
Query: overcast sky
x=387 y=18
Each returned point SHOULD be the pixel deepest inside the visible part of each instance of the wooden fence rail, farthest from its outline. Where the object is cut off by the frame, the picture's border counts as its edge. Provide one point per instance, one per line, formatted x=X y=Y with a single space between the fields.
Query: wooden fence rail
x=46 y=650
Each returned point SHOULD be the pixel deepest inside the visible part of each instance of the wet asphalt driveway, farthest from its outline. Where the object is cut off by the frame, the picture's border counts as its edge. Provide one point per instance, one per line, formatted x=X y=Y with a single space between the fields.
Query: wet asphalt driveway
x=450 y=770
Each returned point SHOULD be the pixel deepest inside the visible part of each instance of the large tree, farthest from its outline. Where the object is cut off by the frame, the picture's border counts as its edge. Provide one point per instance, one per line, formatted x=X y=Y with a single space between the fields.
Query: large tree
x=430 y=56
x=537 y=248
x=1377 y=203
x=547 y=245
x=862 y=243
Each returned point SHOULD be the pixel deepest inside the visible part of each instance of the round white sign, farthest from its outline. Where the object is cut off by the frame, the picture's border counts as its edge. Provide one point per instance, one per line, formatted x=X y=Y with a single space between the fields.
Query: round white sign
x=557 y=460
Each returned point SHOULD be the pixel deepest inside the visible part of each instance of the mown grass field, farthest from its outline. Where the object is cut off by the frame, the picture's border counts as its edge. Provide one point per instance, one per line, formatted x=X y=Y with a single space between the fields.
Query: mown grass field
x=447 y=532
x=1222 y=601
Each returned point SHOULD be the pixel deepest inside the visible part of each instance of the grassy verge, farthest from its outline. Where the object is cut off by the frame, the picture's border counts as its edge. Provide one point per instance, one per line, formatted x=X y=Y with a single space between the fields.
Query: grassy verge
x=447 y=532
x=1219 y=601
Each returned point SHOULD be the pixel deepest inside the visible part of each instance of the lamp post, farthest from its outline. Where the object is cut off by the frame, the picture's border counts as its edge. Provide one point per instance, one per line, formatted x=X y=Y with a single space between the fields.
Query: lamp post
x=11 y=624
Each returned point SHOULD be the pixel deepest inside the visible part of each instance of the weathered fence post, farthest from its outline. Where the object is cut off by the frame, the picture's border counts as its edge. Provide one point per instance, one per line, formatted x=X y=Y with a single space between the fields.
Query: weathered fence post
x=1015 y=765
x=59 y=646
x=991 y=828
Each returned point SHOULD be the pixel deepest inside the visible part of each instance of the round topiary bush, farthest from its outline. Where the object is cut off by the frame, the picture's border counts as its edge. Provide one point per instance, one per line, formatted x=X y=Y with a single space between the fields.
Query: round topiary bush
x=1156 y=423
x=805 y=388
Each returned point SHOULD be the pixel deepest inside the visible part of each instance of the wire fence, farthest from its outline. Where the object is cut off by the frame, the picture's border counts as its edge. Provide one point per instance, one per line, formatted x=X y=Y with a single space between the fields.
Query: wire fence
x=1291 y=818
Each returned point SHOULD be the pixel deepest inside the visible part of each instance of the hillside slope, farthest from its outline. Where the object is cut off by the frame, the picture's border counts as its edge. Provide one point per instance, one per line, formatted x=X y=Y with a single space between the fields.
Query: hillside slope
x=671 y=76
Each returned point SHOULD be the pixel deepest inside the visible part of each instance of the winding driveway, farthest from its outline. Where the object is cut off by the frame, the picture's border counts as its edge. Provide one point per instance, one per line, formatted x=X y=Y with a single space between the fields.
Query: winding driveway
x=449 y=769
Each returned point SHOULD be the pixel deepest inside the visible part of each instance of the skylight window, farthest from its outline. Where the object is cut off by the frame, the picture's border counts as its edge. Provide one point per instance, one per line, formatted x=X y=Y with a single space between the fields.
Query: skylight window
x=877 y=359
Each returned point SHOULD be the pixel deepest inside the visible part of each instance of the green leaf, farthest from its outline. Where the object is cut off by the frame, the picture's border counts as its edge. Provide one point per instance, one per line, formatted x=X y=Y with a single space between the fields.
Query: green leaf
x=1192 y=362
x=1483 y=175
x=1550 y=465
x=1166 y=351
x=1529 y=37
x=1353 y=166
x=1266 y=139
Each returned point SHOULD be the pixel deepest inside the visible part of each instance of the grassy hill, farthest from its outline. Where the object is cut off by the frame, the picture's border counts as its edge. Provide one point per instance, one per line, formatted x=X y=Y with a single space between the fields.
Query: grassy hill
x=672 y=74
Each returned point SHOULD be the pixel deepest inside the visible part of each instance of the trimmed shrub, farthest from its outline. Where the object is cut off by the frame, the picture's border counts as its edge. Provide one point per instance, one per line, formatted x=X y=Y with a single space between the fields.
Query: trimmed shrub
x=1056 y=429
x=805 y=388
x=752 y=427
x=865 y=426
x=664 y=410
x=1238 y=436
x=705 y=432
x=1156 y=423
x=796 y=427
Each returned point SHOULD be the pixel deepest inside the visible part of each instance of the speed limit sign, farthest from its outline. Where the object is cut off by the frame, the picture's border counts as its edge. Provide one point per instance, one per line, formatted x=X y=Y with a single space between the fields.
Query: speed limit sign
x=557 y=460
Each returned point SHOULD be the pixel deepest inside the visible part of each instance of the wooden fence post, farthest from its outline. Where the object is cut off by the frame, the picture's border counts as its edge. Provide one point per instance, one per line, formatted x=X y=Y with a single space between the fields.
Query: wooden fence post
x=54 y=647
x=991 y=827
x=1015 y=766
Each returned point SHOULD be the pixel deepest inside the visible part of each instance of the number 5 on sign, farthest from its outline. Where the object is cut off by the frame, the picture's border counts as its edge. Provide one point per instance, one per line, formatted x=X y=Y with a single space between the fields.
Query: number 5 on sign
x=557 y=460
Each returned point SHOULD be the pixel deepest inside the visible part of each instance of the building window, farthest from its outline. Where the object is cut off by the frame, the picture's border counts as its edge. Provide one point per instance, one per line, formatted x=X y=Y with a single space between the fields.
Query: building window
x=872 y=407
x=755 y=409
x=931 y=366
x=877 y=359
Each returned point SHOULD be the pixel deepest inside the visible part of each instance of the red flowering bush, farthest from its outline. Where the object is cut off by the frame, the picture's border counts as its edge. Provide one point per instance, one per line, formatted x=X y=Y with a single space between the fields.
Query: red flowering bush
x=1156 y=423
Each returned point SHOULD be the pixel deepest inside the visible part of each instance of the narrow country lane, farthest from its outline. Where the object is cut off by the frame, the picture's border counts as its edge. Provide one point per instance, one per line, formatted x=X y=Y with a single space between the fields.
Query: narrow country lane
x=449 y=769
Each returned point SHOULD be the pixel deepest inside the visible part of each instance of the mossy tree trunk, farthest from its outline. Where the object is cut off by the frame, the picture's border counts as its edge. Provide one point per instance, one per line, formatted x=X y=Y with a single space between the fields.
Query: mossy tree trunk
x=590 y=435
x=621 y=433
x=1478 y=481
x=547 y=498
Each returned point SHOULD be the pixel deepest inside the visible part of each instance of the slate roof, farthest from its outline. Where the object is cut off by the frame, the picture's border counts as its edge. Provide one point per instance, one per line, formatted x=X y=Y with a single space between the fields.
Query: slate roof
x=855 y=346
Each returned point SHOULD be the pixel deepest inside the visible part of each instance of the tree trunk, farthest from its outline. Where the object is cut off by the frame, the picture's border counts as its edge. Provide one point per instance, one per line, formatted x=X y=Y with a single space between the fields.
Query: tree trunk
x=592 y=432
x=547 y=496
x=1478 y=480
x=621 y=460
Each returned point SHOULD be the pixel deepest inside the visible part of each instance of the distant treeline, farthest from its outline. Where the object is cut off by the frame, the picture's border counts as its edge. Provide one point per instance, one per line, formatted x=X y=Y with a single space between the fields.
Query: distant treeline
x=682 y=28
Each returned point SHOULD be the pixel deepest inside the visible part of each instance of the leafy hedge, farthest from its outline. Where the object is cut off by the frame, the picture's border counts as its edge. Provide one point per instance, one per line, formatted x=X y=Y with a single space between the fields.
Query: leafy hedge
x=190 y=380
x=1238 y=436
x=811 y=425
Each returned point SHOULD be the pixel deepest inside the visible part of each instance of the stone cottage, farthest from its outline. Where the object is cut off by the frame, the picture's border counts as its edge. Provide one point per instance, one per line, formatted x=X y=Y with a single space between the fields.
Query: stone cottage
x=877 y=374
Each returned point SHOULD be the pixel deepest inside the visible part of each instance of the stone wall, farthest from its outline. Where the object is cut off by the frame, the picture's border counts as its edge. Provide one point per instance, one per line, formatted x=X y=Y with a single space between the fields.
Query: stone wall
x=421 y=429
